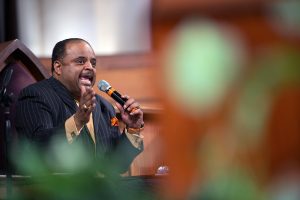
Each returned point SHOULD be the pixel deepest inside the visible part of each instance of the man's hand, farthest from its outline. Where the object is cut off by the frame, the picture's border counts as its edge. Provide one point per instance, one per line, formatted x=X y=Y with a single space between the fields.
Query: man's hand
x=131 y=113
x=87 y=104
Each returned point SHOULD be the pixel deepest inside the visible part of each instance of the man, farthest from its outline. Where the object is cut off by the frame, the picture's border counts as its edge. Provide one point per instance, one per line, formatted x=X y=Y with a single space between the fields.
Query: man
x=66 y=105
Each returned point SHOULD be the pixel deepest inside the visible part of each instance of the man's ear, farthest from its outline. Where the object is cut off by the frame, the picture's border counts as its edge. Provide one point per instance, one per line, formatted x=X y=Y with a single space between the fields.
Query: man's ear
x=57 y=67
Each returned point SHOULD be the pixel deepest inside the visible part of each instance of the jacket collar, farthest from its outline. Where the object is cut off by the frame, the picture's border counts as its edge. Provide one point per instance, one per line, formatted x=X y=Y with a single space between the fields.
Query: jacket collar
x=63 y=93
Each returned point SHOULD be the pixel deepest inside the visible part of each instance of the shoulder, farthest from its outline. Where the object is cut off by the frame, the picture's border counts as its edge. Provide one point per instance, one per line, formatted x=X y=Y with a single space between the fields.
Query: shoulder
x=41 y=88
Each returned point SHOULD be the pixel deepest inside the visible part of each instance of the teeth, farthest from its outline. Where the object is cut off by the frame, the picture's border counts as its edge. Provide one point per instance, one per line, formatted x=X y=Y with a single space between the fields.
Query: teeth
x=85 y=81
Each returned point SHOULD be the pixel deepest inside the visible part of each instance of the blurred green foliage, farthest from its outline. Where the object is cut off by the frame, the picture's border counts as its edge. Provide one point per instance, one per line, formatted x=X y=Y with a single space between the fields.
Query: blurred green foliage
x=66 y=171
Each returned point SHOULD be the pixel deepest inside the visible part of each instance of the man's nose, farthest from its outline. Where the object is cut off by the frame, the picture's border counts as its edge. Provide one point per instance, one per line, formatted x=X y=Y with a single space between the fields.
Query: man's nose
x=89 y=66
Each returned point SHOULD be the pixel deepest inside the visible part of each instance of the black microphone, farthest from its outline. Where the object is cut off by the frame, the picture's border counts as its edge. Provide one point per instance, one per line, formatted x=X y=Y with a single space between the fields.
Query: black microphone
x=104 y=86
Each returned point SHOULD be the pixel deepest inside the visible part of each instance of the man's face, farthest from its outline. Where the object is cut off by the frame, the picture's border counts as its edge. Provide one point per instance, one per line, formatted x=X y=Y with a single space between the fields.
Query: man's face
x=77 y=68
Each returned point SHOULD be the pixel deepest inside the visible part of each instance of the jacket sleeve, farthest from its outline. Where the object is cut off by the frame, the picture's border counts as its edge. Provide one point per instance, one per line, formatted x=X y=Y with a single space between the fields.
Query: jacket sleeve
x=34 y=117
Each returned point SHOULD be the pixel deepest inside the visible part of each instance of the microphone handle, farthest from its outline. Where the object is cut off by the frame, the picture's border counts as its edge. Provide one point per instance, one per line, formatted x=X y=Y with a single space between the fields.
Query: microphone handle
x=118 y=97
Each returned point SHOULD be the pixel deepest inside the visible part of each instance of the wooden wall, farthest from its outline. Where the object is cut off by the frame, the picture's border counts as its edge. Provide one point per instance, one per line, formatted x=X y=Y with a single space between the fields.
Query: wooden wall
x=280 y=141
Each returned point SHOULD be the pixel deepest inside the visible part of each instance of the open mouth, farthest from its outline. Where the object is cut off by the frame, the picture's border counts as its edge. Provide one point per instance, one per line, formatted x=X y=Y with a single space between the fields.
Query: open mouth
x=86 y=79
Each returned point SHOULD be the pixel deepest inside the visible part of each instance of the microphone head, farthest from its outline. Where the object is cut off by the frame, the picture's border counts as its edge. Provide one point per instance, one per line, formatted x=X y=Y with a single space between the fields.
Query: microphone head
x=103 y=85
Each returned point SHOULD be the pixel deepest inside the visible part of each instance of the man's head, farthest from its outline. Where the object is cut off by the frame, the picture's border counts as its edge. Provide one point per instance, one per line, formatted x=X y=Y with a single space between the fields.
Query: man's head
x=74 y=64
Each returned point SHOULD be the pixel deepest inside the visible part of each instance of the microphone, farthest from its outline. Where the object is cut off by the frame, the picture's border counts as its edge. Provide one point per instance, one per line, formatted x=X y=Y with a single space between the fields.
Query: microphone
x=104 y=86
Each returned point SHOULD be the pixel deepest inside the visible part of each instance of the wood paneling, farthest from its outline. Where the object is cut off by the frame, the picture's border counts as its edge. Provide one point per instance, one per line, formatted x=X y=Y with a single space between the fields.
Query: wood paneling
x=27 y=69
x=182 y=135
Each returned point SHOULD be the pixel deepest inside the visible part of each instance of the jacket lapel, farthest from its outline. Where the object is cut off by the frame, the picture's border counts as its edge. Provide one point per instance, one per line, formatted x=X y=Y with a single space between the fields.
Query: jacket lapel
x=96 y=119
x=64 y=94
x=101 y=126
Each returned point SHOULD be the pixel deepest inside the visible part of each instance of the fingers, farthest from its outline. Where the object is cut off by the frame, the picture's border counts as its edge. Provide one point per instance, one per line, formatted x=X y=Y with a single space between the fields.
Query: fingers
x=131 y=113
x=87 y=104
x=131 y=105
x=87 y=101
x=88 y=109
x=120 y=108
x=135 y=110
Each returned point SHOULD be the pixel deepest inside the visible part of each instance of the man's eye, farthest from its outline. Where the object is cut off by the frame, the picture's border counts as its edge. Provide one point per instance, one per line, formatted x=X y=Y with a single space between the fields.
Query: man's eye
x=80 y=61
x=93 y=63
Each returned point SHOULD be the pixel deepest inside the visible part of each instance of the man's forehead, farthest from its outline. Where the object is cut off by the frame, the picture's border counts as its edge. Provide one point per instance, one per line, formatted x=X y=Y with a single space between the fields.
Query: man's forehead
x=79 y=48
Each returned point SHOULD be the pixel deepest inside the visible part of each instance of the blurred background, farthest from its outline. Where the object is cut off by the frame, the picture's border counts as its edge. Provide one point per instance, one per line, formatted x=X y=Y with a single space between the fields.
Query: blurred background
x=218 y=81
